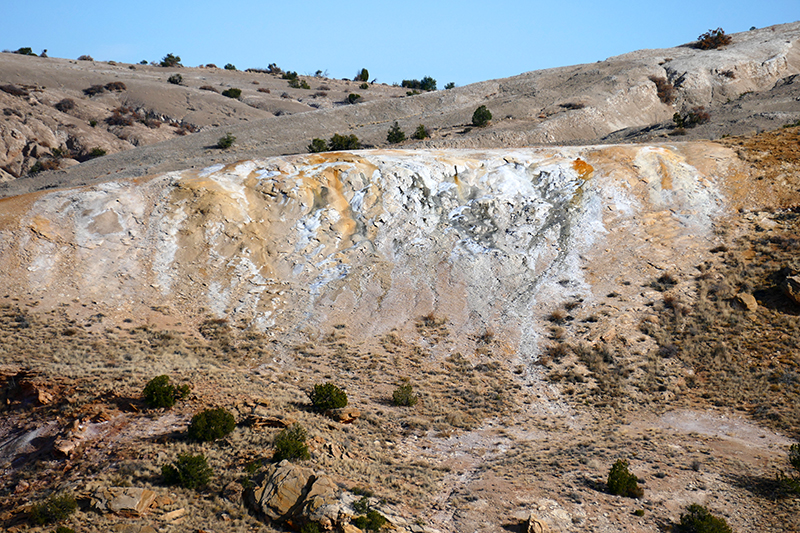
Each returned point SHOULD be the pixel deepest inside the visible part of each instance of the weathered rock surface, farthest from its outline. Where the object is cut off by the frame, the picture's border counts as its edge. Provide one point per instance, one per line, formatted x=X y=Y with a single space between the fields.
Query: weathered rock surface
x=372 y=238
x=291 y=494
x=125 y=501
x=791 y=287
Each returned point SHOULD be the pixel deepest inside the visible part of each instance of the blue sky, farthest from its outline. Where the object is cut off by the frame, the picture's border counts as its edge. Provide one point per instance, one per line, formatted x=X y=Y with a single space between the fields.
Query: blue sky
x=463 y=42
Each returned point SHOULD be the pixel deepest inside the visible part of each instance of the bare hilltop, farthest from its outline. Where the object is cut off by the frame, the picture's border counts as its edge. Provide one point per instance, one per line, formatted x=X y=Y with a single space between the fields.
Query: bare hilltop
x=260 y=301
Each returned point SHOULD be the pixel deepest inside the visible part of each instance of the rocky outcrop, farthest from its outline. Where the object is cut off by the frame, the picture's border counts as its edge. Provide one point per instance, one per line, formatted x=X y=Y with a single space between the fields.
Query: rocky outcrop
x=124 y=501
x=791 y=287
x=374 y=238
x=293 y=495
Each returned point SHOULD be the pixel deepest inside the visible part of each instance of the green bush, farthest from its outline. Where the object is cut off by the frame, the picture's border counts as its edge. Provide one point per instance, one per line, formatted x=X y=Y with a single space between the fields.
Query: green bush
x=297 y=83
x=425 y=84
x=363 y=75
x=171 y=60
x=794 y=457
x=698 y=519
x=404 y=396
x=175 y=79
x=344 y=142
x=289 y=75
x=450 y=85
x=159 y=392
x=96 y=152
x=361 y=506
x=189 y=472
x=310 y=527
x=364 y=86
x=481 y=117
x=64 y=529
x=395 y=134
x=622 y=483
x=229 y=66
x=353 y=98
x=226 y=141
x=421 y=133
x=54 y=509
x=291 y=444
x=713 y=39
x=26 y=51
x=211 y=424
x=318 y=145
x=233 y=92
x=327 y=396
x=372 y=521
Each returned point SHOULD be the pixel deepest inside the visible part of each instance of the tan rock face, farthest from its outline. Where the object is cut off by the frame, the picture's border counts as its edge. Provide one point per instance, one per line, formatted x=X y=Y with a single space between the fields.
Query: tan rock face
x=374 y=238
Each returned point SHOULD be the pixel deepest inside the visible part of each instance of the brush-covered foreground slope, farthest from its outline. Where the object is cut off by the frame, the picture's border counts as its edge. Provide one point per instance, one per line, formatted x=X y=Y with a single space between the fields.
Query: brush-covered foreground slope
x=746 y=86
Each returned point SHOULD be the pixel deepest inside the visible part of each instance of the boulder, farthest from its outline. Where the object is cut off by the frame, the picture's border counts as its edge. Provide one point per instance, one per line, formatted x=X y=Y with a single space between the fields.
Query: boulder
x=791 y=287
x=345 y=415
x=747 y=301
x=123 y=501
x=290 y=494
x=534 y=525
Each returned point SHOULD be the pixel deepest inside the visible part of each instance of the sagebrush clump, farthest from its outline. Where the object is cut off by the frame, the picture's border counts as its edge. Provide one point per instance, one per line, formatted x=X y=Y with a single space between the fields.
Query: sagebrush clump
x=159 y=392
x=403 y=396
x=481 y=117
x=698 y=519
x=713 y=39
x=327 y=396
x=226 y=141
x=395 y=134
x=175 y=79
x=621 y=482
x=233 y=92
x=291 y=444
x=189 y=472
x=54 y=509
x=211 y=424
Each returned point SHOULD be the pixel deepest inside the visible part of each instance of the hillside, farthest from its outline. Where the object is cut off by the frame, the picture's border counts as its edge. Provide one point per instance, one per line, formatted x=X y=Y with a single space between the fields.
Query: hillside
x=557 y=299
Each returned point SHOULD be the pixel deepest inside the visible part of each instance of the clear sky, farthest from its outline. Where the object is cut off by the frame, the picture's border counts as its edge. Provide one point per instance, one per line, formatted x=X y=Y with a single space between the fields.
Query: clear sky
x=460 y=41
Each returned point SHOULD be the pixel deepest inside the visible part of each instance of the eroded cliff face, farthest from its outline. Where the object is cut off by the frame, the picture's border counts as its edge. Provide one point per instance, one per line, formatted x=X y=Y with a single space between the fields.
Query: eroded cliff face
x=373 y=239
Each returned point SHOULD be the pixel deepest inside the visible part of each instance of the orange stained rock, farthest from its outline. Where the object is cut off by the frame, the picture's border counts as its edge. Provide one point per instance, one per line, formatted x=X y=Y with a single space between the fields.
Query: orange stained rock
x=582 y=168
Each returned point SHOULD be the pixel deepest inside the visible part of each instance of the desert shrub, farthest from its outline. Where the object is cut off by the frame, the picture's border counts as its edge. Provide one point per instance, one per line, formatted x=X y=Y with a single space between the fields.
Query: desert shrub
x=794 y=457
x=413 y=93
x=116 y=86
x=404 y=396
x=64 y=529
x=175 y=79
x=713 y=39
x=233 y=92
x=361 y=506
x=297 y=83
x=450 y=85
x=264 y=90
x=664 y=89
x=664 y=282
x=289 y=75
x=364 y=86
x=13 y=90
x=573 y=105
x=273 y=68
x=171 y=60
x=481 y=117
x=185 y=128
x=42 y=165
x=344 y=142
x=26 y=51
x=229 y=66
x=94 y=90
x=353 y=98
x=327 y=396
x=209 y=88
x=226 y=141
x=425 y=84
x=698 y=519
x=310 y=527
x=696 y=115
x=621 y=482
x=291 y=444
x=90 y=58
x=54 y=509
x=211 y=424
x=286 y=95
x=395 y=134
x=65 y=105
x=119 y=118
x=93 y=123
x=159 y=392
x=363 y=75
x=372 y=521
x=96 y=152
x=421 y=133
x=189 y=472
x=317 y=145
